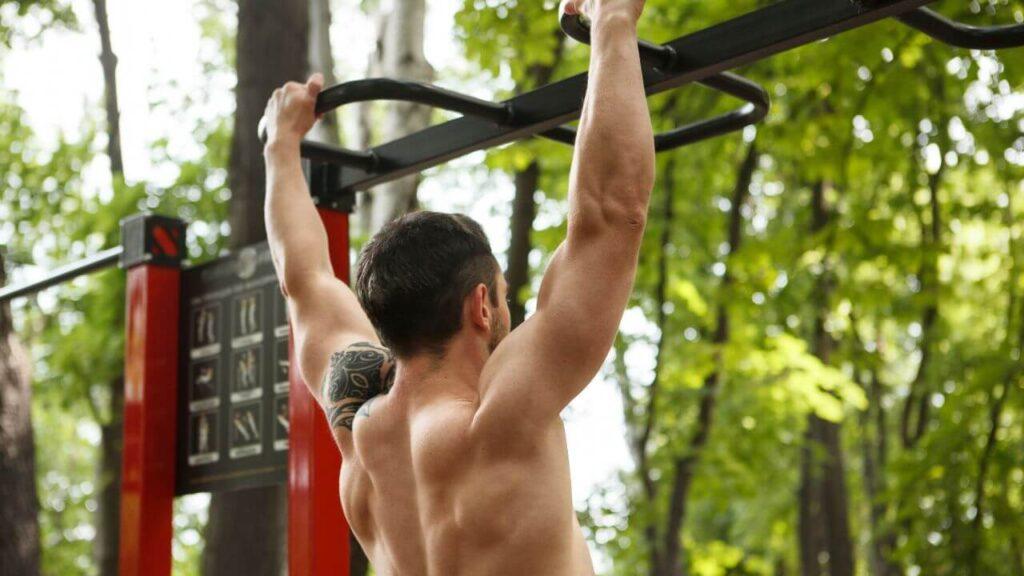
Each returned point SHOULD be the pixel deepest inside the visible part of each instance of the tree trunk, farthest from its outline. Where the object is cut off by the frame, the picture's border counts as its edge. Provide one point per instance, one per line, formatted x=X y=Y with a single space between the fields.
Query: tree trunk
x=874 y=456
x=107 y=518
x=19 y=513
x=321 y=59
x=247 y=530
x=108 y=60
x=824 y=529
x=524 y=207
x=524 y=210
x=399 y=55
x=686 y=466
x=919 y=397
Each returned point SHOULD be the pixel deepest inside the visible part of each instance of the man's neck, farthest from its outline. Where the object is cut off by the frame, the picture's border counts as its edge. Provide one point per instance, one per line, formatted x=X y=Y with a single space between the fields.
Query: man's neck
x=455 y=373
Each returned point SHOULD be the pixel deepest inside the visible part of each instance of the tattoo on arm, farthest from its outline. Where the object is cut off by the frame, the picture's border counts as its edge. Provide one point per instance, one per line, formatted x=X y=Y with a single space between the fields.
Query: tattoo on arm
x=356 y=375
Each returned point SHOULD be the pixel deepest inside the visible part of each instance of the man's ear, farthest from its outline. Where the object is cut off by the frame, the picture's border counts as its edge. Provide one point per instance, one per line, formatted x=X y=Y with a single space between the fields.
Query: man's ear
x=478 y=309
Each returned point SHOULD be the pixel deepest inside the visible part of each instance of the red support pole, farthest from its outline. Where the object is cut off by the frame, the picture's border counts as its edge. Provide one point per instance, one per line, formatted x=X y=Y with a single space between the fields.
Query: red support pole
x=153 y=251
x=318 y=538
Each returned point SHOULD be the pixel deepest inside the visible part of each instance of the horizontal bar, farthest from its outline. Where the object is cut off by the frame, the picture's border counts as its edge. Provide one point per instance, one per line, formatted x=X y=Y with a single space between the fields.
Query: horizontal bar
x=106 y=259
x=665 y=59
x=742 y=40
x=964 y=35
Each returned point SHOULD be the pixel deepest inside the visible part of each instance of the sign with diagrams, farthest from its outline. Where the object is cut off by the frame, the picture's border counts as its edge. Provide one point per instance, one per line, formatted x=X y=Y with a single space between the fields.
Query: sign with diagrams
x=233 y=407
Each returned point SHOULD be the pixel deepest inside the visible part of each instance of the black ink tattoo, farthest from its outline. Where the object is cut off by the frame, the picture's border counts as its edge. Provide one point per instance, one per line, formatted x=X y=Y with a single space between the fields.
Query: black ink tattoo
x=356 y=375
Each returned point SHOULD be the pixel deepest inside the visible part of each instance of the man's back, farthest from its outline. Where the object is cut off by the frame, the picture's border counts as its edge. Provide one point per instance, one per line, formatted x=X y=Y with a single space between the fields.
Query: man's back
x=432 y=491
x=461 y=466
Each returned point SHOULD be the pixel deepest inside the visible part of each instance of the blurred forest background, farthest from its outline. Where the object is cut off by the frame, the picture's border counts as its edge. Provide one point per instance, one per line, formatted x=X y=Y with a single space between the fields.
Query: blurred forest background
x=820 y=372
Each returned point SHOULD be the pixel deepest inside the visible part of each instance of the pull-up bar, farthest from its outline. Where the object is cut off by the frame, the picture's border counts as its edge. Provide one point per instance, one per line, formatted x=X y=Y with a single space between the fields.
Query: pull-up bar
x=703 y=57
x=100 y=261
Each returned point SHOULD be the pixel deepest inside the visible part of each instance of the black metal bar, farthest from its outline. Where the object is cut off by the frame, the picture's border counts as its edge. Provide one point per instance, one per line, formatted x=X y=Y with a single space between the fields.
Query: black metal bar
x=742 y=40
x=418 y=92
x=964 y=35
x=100 y=261
x=371 y=89
x=665 y=59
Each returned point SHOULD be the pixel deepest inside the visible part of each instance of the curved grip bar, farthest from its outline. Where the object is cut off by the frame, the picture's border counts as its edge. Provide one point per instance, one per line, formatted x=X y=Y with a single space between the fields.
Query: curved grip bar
x=389 y=89
x=416 y=92
x=665 y=58
x=963 y=35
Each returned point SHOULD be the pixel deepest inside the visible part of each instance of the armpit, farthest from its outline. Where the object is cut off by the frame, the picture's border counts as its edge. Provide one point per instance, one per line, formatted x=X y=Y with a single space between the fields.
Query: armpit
x=356 y=374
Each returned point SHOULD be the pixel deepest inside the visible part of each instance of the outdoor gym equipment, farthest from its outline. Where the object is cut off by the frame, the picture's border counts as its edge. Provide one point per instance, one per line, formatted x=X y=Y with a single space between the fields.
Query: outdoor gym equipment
x=167 y=367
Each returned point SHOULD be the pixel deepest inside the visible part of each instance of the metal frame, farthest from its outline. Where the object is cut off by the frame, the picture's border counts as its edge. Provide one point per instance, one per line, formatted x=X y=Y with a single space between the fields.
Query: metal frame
x=745 y=39
x=704 y=57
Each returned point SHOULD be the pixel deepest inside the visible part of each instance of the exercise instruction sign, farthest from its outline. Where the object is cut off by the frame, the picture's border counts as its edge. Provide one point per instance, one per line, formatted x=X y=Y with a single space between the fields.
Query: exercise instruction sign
x=233 y=393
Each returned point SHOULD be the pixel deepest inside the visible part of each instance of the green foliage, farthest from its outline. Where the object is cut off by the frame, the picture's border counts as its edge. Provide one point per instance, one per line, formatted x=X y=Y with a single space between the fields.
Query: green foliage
x=29 y=18
x=900 y=132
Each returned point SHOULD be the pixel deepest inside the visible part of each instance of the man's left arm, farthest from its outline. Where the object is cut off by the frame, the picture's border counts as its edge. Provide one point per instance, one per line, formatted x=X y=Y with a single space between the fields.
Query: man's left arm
x=325 y=315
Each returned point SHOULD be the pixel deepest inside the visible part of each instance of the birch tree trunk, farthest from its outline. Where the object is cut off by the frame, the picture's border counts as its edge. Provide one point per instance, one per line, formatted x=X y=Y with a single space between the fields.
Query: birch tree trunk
x=321 y=59
x=399 y=55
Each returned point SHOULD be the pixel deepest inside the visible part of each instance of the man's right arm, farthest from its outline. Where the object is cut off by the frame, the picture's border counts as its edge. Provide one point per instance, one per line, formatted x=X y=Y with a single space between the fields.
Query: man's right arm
x=547 y=361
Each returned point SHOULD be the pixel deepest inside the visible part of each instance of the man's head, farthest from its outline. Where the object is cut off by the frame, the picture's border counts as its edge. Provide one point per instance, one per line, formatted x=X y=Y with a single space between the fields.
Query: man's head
x=427 y=277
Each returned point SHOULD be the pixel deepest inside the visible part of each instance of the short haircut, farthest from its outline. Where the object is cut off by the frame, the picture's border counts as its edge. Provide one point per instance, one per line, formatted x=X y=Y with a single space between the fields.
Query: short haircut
x=415 y=274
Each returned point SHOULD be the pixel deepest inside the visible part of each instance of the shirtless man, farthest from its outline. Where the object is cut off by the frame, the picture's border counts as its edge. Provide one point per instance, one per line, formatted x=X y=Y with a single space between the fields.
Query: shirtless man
x=454 y=455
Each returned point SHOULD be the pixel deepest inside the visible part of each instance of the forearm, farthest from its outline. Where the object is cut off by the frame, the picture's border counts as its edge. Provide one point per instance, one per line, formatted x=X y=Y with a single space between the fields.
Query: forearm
x=614 y=157
x=298 y=241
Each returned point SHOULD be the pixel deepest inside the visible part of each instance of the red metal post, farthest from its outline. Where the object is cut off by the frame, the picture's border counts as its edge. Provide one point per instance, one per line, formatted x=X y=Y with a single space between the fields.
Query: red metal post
x=153 y=252
x=318 y=539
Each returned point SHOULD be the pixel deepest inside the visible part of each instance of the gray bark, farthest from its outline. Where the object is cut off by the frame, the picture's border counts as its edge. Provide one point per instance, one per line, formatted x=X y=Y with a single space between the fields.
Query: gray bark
x=247 y=530
x=19 y=513
x=399 y=55
x=321 y=59
x=107 y=517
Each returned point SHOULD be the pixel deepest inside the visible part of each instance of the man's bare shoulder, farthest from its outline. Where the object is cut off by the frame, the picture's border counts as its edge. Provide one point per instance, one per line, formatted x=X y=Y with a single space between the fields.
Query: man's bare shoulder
x=355 y=376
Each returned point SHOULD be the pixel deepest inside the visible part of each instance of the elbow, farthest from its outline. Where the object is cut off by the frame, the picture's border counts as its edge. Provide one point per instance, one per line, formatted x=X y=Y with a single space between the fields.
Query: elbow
x=294 y=283
x=625 y=204
x=627 y=215
x=624 y=218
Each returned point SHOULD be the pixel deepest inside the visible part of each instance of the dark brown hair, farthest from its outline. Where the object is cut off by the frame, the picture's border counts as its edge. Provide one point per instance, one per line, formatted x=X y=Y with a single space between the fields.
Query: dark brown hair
x=414 y=275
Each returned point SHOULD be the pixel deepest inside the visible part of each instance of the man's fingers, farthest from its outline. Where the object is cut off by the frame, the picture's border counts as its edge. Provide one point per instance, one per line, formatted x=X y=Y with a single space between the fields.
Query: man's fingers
x=315 y=84
x=573 y=7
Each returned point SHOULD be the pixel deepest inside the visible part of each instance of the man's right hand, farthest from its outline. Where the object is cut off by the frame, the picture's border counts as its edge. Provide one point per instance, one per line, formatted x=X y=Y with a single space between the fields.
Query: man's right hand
x=599 y=9
x=291 y=110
